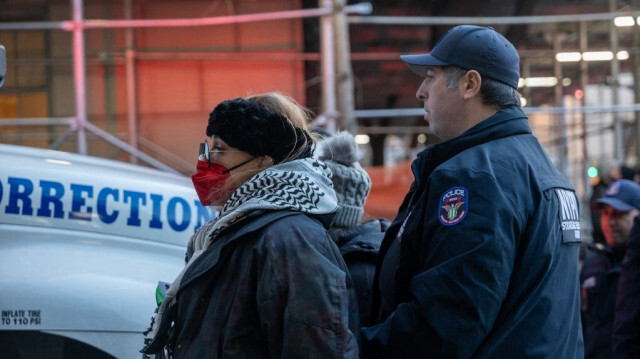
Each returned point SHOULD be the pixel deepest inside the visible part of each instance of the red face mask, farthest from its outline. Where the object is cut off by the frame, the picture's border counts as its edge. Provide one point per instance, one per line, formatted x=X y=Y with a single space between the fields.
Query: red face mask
x=209 y=177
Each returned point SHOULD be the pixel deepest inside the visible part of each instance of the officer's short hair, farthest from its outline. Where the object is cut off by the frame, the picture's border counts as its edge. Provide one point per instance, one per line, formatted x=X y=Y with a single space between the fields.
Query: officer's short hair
x=494 y=93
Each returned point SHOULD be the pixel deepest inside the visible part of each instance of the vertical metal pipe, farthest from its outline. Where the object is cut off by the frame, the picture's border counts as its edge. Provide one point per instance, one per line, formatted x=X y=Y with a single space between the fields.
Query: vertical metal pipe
x=584 y=81
x=559 y=101
x=526 y=73
x=109 y=75
x=130 y=75
x=635 y=58
x=344 y=85
x=79 y=75
x=618 y=142
x=327 y=48
x=565 y=144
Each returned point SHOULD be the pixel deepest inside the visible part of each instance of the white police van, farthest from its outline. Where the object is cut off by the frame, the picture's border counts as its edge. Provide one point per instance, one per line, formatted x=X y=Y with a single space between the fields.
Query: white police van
x=83 y=244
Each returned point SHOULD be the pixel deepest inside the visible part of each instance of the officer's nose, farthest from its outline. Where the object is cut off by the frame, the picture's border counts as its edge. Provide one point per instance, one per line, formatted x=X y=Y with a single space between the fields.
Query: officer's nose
x=421 y=94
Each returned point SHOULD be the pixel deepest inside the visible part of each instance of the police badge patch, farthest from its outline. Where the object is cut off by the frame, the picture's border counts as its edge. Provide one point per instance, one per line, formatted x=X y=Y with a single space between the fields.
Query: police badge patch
x=613 y=190
x=454 y=205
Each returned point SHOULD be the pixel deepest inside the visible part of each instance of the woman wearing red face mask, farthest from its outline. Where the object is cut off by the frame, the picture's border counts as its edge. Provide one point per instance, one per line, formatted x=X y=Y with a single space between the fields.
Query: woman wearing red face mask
x=263 y=279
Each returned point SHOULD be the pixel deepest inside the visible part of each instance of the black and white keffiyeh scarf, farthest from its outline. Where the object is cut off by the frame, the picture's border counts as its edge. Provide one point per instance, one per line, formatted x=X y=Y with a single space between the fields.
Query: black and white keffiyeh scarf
x=302 y=185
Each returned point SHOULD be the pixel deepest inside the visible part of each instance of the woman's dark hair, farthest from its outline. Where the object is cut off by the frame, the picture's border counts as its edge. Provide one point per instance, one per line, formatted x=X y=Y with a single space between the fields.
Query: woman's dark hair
x=271 y=124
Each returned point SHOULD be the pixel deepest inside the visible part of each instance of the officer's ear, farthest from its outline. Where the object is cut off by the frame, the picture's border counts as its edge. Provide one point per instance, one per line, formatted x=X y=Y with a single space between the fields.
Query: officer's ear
x=472 y=81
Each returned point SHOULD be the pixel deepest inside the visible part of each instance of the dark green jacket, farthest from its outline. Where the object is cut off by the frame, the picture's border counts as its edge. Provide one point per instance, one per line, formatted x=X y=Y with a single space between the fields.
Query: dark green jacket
x=273 y=286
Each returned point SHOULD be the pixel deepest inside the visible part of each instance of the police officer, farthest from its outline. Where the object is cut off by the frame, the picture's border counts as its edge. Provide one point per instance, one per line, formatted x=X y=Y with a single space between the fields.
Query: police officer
x=482 y=259
x=626 y=322
x=601 y=270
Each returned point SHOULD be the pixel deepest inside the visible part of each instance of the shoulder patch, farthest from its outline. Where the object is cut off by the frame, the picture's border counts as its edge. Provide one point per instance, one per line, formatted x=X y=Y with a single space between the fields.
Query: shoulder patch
x=454 y=205
x=568 y=216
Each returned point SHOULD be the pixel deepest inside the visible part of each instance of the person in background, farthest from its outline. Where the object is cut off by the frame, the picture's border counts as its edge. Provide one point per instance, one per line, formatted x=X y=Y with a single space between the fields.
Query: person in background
x=608 y=172
x=359 y=242
x=626 y=322
x=629 y=173
x=599 y=277
x=482 y=259
x=264 y=279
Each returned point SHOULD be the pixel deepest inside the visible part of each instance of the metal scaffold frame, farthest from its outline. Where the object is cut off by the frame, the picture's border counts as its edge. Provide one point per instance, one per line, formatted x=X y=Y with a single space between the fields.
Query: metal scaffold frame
x=559 y=110
x=78 y=124
x=337 y=104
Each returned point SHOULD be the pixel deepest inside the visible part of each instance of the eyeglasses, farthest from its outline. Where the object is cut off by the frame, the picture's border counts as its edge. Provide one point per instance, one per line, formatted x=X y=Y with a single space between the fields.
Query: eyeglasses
x=205 y=151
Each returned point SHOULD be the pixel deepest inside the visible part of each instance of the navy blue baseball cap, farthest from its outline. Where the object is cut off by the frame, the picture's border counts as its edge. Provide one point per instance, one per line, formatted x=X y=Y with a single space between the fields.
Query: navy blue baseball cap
x=623 y=195
x=472 y=48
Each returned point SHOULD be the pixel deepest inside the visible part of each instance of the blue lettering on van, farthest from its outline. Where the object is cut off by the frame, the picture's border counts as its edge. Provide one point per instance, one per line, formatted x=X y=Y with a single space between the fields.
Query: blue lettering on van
x=20 y=189
x=105 y=216
x=80 y=193
x=171 y=214
x=155 y=222
x=134 y=213
x=52 y=193
x=20 y=196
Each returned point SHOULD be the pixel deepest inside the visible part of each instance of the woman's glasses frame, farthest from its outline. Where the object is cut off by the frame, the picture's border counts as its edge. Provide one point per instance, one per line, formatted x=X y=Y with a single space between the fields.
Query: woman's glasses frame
x=206 y=151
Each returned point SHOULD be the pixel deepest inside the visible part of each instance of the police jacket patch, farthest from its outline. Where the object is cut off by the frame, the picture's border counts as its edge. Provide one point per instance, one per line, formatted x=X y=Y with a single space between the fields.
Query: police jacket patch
x=569 y=216
x=454 y=206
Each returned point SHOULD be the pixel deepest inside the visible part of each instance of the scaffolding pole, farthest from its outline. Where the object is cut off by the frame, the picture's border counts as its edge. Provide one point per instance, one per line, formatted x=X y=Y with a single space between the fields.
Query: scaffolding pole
x=79 y=76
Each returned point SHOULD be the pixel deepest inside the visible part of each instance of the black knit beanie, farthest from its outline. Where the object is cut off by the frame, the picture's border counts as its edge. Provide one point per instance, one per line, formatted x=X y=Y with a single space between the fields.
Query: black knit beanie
x=253 y=128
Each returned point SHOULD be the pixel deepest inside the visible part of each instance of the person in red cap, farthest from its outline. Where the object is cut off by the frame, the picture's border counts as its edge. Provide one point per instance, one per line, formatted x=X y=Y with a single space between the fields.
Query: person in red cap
x=601 y=269
x=481 y=260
